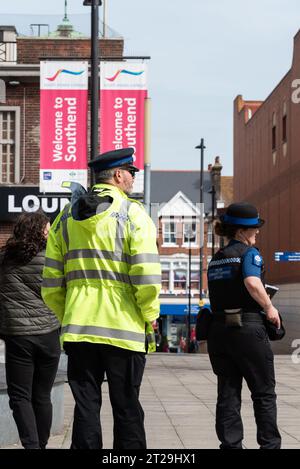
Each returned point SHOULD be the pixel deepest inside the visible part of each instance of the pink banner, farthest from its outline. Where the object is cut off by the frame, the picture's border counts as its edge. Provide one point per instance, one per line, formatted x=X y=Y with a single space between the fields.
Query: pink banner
x=122 y=111
x=122 y=121
x=63 y=124
x=63 y=129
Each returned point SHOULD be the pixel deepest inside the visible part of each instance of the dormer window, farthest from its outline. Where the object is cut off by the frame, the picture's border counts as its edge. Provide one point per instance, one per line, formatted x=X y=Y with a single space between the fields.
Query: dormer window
x=169 y=233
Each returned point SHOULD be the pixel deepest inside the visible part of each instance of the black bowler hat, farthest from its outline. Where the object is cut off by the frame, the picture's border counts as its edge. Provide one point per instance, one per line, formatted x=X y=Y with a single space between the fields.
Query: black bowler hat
x=242 y=214
x=113 y=159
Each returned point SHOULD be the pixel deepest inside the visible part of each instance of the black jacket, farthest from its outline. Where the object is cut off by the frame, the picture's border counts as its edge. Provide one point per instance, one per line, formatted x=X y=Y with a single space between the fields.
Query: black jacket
x=225 y=280
x=22 y=310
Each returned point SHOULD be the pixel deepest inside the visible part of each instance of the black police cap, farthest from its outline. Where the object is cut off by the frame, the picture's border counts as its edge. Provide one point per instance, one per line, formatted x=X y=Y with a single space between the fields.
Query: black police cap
x=113 y=159
x=242 y=214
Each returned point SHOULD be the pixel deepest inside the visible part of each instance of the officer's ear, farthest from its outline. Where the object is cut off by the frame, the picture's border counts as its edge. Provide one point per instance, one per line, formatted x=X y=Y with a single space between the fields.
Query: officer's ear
x=117 y=175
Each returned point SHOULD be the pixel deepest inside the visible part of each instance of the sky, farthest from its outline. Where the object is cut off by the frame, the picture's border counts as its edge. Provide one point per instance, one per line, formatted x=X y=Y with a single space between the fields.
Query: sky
x=203 y=54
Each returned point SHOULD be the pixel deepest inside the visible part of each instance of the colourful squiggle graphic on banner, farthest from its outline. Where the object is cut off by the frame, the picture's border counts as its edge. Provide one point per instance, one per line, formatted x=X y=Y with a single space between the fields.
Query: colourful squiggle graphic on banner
x=123 y=71
x=63 y=70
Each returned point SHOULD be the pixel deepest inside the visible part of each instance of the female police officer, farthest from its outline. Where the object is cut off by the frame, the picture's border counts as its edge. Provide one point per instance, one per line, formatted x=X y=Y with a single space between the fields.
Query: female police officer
x=238 y=345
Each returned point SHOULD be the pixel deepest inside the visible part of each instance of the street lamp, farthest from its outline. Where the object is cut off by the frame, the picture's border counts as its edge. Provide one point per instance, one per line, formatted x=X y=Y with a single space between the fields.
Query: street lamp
x=202 y=148
x=94 y=4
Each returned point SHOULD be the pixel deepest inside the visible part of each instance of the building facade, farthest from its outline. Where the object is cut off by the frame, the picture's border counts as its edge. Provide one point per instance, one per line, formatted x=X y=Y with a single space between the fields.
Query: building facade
x=20 y=113
x=267 y=173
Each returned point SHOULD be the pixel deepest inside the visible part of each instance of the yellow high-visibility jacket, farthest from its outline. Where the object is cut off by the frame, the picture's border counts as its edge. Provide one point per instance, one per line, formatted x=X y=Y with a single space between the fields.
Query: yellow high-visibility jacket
x=102 y=275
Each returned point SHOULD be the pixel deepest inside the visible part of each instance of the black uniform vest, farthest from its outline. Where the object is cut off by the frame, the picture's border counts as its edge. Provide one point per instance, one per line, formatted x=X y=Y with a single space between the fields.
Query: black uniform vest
x=225 y=280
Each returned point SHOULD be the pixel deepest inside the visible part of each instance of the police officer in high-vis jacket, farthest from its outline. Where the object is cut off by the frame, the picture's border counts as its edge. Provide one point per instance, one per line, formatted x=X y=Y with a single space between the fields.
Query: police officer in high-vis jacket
x=238 y=345
x=102 y=279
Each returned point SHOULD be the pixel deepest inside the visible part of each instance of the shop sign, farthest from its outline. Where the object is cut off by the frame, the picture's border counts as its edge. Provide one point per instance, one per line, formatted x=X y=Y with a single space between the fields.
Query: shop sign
x=15 y=200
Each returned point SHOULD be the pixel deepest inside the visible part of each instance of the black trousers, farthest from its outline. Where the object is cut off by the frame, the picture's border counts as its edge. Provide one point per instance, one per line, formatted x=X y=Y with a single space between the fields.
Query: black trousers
x=237 y=353
x=31 y=363
x=124 y=370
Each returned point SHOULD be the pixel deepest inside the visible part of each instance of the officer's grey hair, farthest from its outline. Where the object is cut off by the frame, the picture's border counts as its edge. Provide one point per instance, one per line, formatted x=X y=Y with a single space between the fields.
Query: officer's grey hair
x=105 y=175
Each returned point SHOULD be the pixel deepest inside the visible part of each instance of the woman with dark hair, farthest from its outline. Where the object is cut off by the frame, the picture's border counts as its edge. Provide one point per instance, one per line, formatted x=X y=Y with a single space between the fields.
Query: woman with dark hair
x=29 y=329
x=238 y=344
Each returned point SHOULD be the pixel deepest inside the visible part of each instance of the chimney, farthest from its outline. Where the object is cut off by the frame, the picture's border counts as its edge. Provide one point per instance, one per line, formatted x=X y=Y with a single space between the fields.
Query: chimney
x=216 y=176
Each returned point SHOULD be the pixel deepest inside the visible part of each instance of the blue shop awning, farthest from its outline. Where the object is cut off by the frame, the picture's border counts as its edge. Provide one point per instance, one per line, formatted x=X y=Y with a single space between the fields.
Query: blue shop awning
x=177 y=309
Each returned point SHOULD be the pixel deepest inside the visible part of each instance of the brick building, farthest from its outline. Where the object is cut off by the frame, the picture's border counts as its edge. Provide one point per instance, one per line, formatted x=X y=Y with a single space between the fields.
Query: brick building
x=20 y=111
x=267 y=173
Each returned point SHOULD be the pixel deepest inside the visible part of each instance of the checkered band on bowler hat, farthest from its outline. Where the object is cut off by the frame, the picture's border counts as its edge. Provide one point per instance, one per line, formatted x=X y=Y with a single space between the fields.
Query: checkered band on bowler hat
x=242 y=214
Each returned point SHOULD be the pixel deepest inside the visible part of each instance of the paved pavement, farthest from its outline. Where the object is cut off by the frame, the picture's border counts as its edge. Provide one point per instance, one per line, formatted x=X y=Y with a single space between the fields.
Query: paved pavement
x=178 y=396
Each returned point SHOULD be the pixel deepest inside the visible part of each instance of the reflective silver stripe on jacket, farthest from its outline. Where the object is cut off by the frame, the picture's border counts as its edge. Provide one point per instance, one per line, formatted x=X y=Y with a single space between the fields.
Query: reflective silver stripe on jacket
x=53 y=282
x=144 y=258
x=145 y=279
x=110 y=275
x=93 y=254
x=103 y=332
x=228 y=260
x=58 y=265
x=113 y=256
x=97 y=274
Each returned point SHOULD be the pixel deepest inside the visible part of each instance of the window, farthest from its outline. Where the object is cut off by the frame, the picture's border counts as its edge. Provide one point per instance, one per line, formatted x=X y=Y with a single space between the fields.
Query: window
x=284 y=137
x=169 y=233
x=165 y=277
x=9 y=145
x=195 y=277
x=165 y=280
x=284 y=123
x=180 y=279
x=274 y=132
x=274 y=138
x=209 y=235
x=284 y=132
x=189 y=233
x=212 y=238
x=180 y=275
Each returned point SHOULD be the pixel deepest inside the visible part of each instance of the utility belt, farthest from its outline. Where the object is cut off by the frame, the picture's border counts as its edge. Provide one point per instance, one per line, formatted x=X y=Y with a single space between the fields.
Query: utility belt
x=238 y=317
